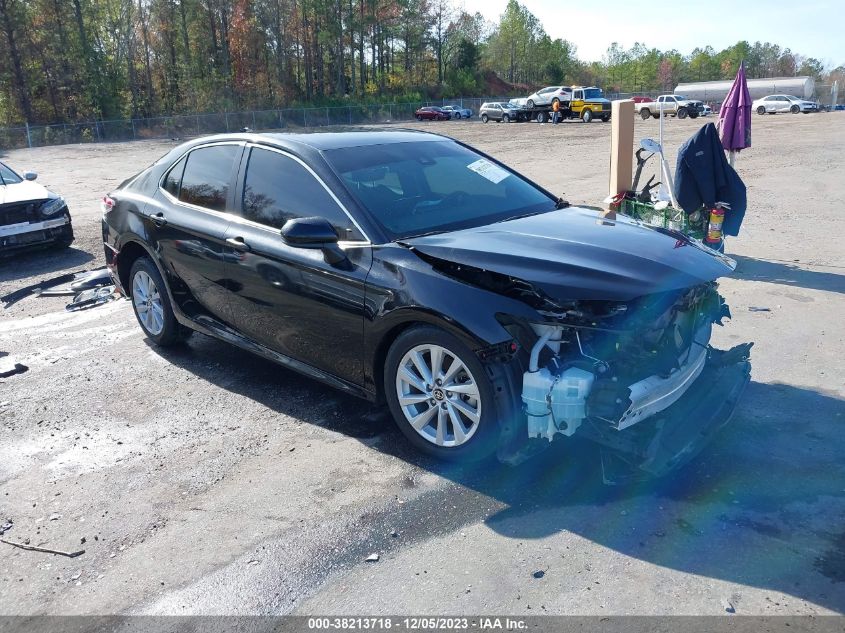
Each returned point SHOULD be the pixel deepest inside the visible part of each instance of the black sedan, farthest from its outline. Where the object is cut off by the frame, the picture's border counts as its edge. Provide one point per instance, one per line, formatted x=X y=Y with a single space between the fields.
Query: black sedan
x=411 y=269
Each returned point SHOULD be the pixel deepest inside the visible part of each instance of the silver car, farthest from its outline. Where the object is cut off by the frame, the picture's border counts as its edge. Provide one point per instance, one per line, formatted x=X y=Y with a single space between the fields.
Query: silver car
x=457 y=112
x=783 y=103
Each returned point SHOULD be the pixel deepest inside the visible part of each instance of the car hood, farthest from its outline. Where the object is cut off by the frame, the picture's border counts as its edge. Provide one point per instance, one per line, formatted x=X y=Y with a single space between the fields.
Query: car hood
x=598 y=100
x=22 y=192
x=575 y=254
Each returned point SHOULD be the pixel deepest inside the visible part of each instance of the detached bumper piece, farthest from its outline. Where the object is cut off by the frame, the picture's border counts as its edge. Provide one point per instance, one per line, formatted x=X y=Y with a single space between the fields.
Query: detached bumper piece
x=676 y=435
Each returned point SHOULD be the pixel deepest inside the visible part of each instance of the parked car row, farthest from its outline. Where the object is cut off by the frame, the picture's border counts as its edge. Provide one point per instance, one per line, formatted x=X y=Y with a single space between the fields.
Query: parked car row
x=444 y=113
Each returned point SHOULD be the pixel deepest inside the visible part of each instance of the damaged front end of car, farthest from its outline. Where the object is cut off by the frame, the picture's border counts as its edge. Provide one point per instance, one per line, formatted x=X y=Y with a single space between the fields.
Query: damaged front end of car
x=638 y=376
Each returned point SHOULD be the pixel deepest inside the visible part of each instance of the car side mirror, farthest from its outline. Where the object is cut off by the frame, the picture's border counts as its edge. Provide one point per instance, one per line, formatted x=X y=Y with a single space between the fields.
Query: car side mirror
x=30 y=175
x=315 y=232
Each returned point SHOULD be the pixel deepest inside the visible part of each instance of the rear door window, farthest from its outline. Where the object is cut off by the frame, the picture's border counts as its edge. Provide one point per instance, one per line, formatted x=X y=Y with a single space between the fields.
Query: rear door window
x=208 y=175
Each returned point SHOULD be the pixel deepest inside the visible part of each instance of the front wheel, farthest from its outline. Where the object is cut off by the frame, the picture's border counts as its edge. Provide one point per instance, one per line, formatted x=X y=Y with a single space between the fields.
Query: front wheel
x=440 y=395
x=419 y=118
x=152 y=304
x=795 y=109
x=530 y=104
x=484 y=118
x=682 y=113
x=506 y=119
x=457 y=115
x=587 y=115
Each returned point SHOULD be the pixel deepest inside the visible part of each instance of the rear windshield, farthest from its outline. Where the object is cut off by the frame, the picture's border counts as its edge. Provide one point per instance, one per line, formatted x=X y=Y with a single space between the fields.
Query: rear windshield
x=431 y=187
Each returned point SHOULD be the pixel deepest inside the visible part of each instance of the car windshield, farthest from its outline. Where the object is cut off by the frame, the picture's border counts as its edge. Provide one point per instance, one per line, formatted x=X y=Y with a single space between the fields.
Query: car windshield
x=593 y=93
x=430 y=187
x=7 y=176
x=681 y=98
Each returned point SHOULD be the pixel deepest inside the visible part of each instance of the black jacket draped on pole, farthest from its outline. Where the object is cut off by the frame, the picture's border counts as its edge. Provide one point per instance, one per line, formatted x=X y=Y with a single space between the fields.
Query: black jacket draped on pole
x=704 y=177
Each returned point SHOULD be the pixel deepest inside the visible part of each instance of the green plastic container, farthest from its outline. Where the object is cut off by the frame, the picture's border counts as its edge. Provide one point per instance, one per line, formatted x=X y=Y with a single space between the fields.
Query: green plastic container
x=668 y=218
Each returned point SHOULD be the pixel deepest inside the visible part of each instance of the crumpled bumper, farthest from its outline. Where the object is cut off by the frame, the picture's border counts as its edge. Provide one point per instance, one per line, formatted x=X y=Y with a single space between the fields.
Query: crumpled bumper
x=676 y=435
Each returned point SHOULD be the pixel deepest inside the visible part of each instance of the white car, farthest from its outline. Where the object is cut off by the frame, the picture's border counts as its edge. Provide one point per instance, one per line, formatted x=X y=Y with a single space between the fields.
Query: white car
x=783 y=103
x=457 y=112
x=707 y=110
x=30 y=215
x=547 y=96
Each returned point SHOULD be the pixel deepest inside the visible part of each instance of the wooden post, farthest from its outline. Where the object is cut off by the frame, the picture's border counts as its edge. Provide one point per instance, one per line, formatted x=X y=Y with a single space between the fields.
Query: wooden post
x=621 y=146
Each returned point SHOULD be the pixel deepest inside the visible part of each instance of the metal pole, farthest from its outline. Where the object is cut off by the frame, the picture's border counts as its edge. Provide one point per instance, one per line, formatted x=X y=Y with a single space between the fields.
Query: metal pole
x=226 y=114
x=134 y=135
x=328 y=121
x=28 y=136
x=253 y=120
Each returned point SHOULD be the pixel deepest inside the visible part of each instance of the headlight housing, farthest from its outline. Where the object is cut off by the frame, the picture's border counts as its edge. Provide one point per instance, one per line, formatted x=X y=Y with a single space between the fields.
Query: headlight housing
x=52 y=206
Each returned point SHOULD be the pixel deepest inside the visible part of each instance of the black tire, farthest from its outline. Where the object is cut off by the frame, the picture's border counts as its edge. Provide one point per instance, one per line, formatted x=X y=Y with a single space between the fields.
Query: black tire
x=482 y=443
x=530 y=104
x=645 y=113
x=682 y=113
x=587 y=116
x=172 y=331
x=506 y=119
x=554 y=101
x=484 y=118
x=457 y=115
x=542 y=117
x=605 y=118
x=419 y=118
x=693 y=115
x=795 y=109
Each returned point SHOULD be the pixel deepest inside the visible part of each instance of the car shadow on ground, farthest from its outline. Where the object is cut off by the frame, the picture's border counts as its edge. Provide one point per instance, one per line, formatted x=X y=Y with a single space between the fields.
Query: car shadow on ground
x=763 y=505
x=43 y=261
x=752 y=269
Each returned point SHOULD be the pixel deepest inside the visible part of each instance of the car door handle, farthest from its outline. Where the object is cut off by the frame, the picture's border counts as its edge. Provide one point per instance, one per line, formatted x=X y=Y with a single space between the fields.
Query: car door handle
x=237 y=243
x=158 y=219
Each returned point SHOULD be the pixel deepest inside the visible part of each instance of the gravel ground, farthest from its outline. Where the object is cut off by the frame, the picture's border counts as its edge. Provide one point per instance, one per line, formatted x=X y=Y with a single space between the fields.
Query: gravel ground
x=205 y=480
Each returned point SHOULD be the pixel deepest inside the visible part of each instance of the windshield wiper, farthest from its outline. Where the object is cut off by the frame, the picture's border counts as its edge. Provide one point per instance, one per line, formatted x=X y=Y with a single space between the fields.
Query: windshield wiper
x=561 y=203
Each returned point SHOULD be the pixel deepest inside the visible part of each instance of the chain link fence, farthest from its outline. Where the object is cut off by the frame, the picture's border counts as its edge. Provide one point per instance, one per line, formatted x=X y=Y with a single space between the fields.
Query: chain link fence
x=189 y=125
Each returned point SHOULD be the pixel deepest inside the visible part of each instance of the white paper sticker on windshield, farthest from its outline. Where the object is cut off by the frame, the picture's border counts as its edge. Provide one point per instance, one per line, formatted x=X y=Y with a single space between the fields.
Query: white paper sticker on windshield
x=488 y=170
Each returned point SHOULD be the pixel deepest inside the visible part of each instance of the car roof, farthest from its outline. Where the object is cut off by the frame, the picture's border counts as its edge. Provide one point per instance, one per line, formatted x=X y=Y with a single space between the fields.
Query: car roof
x=329 y=140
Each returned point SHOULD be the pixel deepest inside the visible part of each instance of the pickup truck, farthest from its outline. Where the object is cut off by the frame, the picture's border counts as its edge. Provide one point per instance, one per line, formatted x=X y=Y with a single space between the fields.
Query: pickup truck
x=676 y=105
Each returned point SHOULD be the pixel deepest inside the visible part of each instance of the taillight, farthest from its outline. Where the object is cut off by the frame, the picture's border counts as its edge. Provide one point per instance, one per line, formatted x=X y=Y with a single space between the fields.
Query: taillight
x=106 y=204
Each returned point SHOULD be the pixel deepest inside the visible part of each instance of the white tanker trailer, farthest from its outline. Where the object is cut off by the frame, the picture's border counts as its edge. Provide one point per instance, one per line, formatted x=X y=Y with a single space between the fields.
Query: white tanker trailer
x=801 y=87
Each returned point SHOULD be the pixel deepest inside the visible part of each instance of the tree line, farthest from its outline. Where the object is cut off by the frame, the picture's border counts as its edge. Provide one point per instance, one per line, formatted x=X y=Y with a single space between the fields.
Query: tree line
x=72 y=60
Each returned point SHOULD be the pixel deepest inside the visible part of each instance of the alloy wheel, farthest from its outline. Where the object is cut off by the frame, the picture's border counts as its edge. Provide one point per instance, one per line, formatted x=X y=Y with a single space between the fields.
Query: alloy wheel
x=438 y=395
x=147 y=302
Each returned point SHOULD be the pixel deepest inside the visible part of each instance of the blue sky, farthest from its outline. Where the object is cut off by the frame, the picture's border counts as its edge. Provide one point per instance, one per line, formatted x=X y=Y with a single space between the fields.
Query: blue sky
x=811 y=27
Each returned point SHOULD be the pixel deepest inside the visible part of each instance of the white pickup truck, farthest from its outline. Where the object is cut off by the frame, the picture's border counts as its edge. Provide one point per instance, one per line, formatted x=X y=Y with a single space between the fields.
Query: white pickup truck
x=675 y=105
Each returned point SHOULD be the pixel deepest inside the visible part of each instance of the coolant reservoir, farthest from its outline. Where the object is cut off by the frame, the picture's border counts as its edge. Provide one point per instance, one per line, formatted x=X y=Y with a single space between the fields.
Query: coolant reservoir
x=569 y=397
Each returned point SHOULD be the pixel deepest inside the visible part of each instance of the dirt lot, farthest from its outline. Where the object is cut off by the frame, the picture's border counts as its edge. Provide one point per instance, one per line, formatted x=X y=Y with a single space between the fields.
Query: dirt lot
x=205 y=480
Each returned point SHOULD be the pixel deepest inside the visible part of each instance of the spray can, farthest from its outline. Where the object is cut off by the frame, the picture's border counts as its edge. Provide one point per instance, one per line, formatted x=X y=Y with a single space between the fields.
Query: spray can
x=714 y=226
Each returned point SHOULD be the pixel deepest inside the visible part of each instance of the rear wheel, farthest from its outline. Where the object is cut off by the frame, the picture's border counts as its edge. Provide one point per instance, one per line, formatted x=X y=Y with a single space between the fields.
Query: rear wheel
x=484 y=118
x=542 y=117
x=152 y=304
x=761 y=109
x=645 y=113
x=605 y=118
x=587 y=115
x=440 y=395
